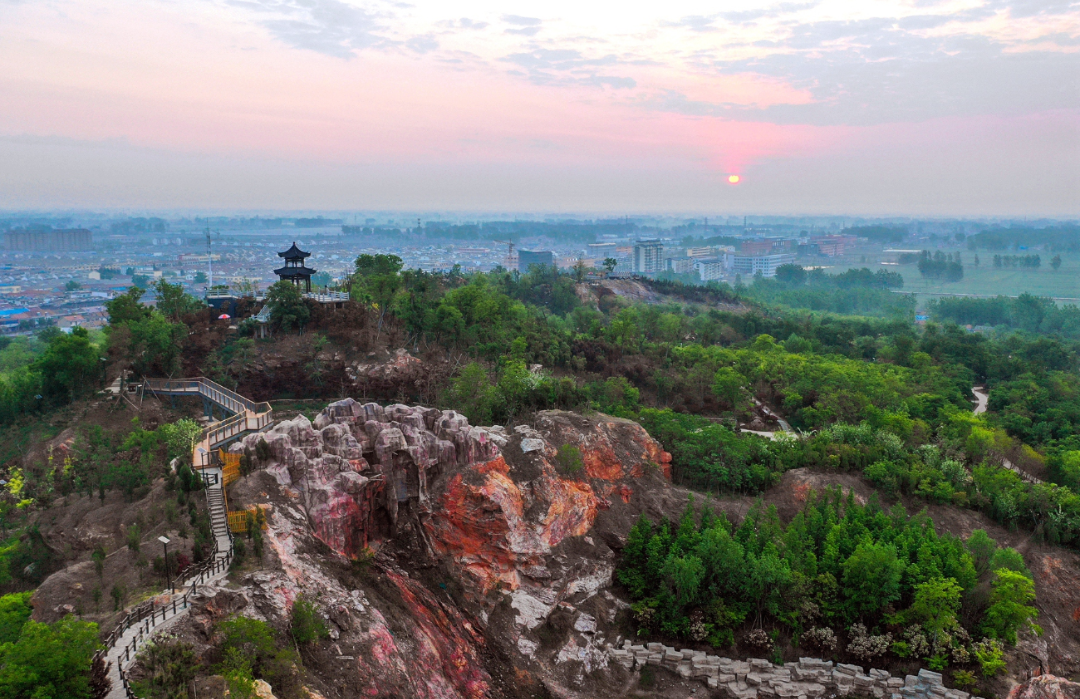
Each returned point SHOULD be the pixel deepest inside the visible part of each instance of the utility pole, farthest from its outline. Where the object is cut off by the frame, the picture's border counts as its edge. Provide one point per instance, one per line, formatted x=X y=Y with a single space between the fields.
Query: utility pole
x=209 y=257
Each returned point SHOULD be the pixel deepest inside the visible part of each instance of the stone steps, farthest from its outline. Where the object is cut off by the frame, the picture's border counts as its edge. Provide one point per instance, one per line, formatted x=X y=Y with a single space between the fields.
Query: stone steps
x=809 y=678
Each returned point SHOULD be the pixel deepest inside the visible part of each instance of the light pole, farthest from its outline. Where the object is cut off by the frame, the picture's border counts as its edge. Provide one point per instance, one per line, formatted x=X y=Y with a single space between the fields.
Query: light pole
x=165 y=542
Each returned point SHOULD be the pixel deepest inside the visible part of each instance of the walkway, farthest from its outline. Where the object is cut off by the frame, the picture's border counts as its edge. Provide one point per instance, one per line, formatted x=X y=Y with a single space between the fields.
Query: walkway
x=147 y=619
x=982 y=400
x=247 y=415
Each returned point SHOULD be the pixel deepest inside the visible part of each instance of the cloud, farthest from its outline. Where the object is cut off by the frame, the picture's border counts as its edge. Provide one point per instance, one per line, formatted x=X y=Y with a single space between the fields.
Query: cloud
x=463 y=23
x=330 y=27
x=545 y=66
x=422 y=44
x=522 y=21
x=524 y=31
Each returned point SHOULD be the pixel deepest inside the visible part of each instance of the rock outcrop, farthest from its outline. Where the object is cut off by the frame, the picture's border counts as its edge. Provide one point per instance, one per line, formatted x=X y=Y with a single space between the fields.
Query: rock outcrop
x=358 y=468
x=1046 y=687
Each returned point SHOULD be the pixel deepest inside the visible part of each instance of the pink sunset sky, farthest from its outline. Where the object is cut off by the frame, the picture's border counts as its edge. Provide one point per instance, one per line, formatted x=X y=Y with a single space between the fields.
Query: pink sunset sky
x=961 y=107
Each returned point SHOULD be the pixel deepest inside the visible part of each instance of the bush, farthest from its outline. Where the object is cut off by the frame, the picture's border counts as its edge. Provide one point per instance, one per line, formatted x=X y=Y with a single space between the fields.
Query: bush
x=989 y=654
x=306 y=624
x=820 y=638
x=570 y=461
x=171 y=665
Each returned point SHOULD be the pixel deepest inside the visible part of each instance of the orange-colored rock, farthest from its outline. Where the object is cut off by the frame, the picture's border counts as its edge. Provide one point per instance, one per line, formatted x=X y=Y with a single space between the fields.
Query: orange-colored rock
x=493 y=526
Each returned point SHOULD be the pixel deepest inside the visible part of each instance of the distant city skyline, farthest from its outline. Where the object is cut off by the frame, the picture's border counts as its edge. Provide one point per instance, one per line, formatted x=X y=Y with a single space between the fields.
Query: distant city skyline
x=966 y=108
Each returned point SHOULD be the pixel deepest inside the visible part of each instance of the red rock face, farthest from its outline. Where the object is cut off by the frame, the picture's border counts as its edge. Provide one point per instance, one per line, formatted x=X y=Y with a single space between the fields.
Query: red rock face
x=494 y=527
x=1046 y=687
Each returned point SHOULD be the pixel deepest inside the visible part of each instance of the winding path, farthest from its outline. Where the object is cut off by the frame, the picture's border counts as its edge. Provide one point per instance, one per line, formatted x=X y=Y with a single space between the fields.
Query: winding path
x=147 y=619
x=982 y=400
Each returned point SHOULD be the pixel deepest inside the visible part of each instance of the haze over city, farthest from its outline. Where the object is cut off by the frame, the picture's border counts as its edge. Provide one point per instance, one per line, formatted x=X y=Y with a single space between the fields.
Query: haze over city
x=958 y=108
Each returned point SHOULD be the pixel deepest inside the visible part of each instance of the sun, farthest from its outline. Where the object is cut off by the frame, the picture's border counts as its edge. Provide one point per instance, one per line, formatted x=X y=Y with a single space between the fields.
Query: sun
x=734 y=179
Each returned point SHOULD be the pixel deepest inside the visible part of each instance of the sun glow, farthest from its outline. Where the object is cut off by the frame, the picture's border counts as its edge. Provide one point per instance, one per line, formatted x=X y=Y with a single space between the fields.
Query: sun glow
x=734 y=179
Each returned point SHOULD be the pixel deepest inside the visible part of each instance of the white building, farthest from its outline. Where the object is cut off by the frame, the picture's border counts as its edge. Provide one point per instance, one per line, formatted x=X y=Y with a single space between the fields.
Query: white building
x=750 y=265
x=710 y=268
x=648 y=256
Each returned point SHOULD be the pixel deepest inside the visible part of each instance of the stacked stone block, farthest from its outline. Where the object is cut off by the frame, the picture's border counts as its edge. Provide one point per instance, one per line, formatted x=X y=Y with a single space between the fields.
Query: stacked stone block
x=810 y=678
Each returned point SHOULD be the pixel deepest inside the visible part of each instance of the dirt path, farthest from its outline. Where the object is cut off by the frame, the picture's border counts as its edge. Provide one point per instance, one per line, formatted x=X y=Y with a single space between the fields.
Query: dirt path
x=982 y=398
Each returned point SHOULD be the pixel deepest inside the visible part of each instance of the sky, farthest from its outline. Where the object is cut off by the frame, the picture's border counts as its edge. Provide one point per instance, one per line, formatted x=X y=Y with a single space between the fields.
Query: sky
x=867 y=107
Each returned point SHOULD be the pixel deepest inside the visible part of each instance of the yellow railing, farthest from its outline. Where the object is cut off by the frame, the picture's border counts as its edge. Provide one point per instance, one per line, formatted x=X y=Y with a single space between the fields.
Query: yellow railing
x=238 y=519
x=230 y=467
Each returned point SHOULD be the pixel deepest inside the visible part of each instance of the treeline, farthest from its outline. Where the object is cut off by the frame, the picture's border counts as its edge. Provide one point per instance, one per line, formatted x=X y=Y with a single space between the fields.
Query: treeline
x=1027 y=312
x=940 y=266
x=1018 y=261
x=853 y=292
x=837 y=565
x=1061 y=238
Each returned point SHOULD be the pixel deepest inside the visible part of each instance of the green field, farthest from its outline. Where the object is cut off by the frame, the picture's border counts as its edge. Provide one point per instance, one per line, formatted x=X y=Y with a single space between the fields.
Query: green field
x=984 y=280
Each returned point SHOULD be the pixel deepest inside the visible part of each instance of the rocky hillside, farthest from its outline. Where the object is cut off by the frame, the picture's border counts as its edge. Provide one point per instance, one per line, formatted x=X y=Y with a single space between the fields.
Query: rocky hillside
x=454 y=561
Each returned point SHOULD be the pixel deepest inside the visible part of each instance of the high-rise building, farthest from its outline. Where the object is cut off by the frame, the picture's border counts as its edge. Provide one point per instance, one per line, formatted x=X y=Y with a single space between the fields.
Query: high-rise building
x=530 y=258
x=70 y=240
x=648 y=257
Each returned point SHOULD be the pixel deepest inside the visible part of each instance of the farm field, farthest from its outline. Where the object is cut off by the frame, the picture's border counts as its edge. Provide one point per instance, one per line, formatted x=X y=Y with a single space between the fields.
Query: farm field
x=984 y=280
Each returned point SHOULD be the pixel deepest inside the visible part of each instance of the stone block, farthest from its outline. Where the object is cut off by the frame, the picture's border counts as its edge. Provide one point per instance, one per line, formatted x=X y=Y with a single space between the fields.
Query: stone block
x=850 y=670
x=894 y=682
x=929 y=676
x=878 y=674
x=937 y=690
x=863 y=681
x=813 y=689
x=753 y=679
x=810 y=662
x=911 y=681
x=878 y=692
x=684 y=670
x=654 y=659
x=656 y=647
x=712 y=683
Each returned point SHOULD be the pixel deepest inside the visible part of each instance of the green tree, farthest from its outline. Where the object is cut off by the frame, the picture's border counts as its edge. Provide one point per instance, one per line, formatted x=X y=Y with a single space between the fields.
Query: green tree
x=171 y=665
x=728 y=387
x=610 y=263
x=200 y=277
x=935 y=606
x=1055 y=262
x=173 y=301
x=872 y=577
x=982 y=547
x=70 y=366
x=15 y=611
x=287 y=306
x=72 y=286
x=1010 y=607
x=377 y=280
x=49 y=661
x=305 y=623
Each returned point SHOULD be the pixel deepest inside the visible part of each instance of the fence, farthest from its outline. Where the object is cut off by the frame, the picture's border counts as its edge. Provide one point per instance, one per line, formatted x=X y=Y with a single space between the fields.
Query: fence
x=248 y=415
x=238 y=520
x=145 y=615
x=230 y=467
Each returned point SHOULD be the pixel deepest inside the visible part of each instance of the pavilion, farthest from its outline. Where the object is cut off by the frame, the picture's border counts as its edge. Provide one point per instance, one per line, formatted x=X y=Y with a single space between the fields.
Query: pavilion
x=294 y=270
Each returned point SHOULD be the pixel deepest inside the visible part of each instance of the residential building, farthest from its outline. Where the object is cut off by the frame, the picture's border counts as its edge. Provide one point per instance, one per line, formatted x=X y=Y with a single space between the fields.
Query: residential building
x=69 y=240
x=530 y=258
x=679 y=265
x=750 y=265
x=710 y=268
x=648 y=256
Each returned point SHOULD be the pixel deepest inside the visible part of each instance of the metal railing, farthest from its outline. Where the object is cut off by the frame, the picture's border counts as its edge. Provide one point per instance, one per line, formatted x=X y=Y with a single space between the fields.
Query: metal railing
x=247 y=415
x=146 y=615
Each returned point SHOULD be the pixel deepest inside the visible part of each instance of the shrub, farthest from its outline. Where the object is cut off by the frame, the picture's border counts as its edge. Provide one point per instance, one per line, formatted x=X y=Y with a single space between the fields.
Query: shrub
x=864 y=646
x=758 y=639
x=171 y=665
x=820 y=638
x=988 y=652
x=306 y=624
x=570 y=461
